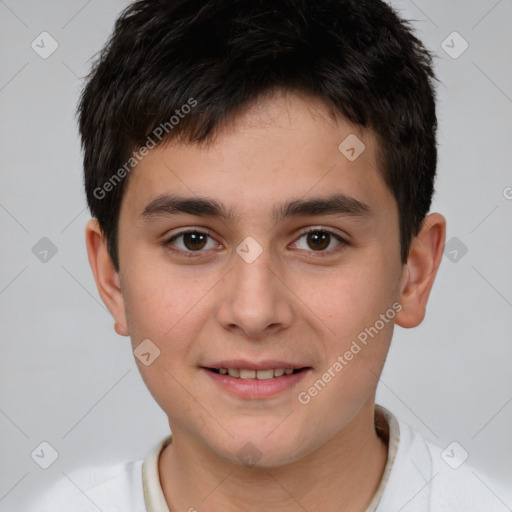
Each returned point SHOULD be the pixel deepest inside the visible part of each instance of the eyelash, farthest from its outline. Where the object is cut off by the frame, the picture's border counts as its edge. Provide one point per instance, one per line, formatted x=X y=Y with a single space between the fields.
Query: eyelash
x=195 y=254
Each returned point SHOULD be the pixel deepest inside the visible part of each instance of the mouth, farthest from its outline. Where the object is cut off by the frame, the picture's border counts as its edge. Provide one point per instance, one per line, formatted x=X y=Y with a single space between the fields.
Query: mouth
x=248 y=374
x=262 y=381
x=255 y=380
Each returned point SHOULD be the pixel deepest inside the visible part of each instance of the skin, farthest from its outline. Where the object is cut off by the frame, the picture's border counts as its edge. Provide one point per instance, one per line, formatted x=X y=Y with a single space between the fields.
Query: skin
x=291 y=303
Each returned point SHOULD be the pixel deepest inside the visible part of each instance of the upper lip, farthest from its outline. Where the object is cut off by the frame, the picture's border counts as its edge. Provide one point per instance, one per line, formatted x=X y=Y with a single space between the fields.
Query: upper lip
x=267 y=364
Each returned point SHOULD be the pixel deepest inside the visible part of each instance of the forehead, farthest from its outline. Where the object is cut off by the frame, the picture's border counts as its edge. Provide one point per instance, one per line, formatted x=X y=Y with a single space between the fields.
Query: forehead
x=284 y=146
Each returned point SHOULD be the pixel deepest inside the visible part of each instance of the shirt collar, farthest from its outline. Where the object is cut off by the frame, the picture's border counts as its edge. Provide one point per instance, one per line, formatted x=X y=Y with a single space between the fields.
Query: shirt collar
x=154 y=498
x=386 y=426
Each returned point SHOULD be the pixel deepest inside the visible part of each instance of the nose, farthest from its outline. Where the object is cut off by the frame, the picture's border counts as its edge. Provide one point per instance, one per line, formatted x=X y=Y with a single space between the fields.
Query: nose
x=255 y=299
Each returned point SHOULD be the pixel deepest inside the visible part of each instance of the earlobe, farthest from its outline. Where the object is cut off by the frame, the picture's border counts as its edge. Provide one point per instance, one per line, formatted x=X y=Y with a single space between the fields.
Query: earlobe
x=120 y=329
x=106 y=277
x=423 y=261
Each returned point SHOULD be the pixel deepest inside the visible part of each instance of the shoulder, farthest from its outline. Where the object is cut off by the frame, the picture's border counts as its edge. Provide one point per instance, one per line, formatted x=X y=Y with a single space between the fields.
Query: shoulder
x=109 y=489
x=457 y=485
x=427 y=478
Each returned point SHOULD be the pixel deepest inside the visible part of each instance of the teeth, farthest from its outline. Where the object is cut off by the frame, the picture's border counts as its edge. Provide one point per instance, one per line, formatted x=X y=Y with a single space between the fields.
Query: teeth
x=255 y=374
x=264 y=374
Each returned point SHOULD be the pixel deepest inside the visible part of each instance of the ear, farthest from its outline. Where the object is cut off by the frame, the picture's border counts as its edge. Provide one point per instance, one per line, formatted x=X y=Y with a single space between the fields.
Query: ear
x=420 y=270
x=105 y=275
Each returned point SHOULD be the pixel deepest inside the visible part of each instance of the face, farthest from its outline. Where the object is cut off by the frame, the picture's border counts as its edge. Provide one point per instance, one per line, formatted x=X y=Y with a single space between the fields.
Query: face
x=292 y=261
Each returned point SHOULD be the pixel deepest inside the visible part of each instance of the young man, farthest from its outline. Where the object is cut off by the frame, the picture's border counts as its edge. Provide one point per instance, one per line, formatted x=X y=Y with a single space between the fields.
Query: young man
x=260 y=175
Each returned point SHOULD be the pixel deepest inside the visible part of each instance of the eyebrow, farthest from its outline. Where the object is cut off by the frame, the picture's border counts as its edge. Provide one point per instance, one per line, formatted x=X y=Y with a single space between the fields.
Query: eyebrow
x=337 y=204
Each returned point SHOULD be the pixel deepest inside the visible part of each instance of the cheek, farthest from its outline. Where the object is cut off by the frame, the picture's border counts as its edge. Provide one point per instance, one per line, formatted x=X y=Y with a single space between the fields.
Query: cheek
x=169 y=308
x=167 y=316
x=356 y=304
x=158 y=299
x=350 y=298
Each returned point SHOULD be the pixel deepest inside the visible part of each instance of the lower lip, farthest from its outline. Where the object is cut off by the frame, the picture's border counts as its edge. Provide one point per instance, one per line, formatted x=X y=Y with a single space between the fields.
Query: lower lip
x=255 y=388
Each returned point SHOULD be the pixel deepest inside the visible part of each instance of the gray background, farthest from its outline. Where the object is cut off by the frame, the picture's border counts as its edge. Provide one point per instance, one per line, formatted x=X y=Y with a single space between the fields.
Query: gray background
x=68 y=379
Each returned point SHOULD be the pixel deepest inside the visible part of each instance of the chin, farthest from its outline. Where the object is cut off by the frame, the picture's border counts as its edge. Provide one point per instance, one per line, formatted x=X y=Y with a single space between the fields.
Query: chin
x=260 y=448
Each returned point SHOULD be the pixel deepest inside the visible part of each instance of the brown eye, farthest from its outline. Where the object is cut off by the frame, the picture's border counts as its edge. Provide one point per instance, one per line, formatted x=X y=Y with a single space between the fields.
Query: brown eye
x=318 y=240
x=188 y=242
x=194 y=241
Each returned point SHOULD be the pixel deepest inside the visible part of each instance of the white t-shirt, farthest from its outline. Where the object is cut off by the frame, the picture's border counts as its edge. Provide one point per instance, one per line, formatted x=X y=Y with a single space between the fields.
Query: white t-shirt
x=418 y=477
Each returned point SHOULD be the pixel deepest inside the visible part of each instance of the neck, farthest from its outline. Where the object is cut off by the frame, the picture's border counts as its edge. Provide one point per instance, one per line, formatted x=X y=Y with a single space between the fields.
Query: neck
x=346 y=470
